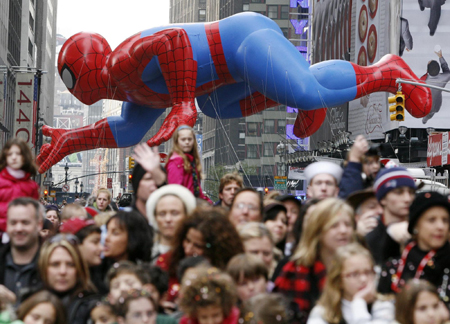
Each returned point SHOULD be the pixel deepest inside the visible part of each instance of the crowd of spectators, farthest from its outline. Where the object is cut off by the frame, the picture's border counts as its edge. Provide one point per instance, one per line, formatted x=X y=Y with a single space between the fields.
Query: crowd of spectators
x=363 y=248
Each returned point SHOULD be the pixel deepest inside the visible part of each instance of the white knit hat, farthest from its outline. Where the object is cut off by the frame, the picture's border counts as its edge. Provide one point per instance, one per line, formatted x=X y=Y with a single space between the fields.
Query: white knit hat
x=323 y=167
x=176 y=190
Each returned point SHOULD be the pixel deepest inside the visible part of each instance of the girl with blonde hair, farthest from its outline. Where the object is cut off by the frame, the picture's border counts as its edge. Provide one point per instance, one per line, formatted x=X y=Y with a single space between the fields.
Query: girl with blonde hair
x=302 y=279
x=350 y=290
x=183 y=163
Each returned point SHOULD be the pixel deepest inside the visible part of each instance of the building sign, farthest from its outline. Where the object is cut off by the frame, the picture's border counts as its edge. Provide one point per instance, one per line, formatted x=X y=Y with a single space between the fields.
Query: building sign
x=437 y=153
x=25 y=108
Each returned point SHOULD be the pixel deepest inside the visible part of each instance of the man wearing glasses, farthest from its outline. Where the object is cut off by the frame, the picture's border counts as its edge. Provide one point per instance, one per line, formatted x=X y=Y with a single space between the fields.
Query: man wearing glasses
x=246 y=207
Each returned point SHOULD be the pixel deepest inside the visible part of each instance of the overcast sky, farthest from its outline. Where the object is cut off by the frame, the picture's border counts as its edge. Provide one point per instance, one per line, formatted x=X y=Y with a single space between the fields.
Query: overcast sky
x=115 y=20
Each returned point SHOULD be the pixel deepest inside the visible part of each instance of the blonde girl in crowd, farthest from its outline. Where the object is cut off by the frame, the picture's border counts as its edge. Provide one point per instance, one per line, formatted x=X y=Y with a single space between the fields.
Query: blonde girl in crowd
x=329 y=227
x=350 y=295
x=183 y=163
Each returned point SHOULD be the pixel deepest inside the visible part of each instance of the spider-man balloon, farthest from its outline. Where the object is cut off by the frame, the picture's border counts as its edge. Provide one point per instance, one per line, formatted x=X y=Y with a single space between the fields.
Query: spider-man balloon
x=235 y=67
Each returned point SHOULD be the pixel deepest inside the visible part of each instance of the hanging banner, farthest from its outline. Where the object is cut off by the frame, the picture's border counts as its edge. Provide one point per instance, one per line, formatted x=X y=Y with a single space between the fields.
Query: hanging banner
x=25 y=108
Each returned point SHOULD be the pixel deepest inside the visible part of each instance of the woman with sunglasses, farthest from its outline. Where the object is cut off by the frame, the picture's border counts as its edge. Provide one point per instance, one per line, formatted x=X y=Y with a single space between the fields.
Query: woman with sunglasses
x=66 y=274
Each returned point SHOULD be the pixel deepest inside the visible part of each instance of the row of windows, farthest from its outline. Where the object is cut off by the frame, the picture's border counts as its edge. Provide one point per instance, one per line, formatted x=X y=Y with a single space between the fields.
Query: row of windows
x=268 y=128
x=254 y=150
x=273 y=11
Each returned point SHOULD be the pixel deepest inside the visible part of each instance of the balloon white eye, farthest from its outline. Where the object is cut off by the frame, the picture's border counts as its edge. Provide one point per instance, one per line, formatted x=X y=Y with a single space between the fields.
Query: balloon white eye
x=67 y=78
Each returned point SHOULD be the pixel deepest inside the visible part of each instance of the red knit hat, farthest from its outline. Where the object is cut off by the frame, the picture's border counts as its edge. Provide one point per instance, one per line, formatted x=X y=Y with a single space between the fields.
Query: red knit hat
x=74 y=225
x=91 y=211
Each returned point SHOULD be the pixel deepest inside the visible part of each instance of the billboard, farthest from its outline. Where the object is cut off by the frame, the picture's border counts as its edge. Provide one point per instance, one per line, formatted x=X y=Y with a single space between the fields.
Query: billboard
x=369 y=115
x=424 y=38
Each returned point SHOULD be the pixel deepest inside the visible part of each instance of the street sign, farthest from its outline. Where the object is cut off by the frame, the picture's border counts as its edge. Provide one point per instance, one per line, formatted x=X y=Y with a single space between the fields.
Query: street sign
x=65 y=188
x=53 y=193
x=109 y=183
x=46 y=183
x=279 y=183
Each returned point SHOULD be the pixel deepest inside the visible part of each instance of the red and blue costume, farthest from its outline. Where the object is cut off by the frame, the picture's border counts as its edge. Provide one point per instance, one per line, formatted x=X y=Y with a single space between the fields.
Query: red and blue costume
x=235 y=67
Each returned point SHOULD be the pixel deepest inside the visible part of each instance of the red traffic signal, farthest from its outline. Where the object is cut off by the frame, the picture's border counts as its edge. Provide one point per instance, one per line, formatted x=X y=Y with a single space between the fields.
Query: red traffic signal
x=266 y=190
x=45 y=192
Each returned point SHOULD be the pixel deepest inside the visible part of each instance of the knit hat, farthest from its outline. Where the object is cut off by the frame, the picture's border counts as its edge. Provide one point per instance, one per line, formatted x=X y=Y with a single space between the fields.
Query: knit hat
x=323 y=167
x=176 y=190
x=392 y=178
x=74 y=225
x=138 y=174
x=424 y=201
x=288 y=197
x=271 y=211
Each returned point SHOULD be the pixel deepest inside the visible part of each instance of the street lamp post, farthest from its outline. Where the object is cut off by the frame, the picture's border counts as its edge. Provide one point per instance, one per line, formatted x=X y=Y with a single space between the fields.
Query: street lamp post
x=76 y=185
x=282 y=151
x=81 y=188
x=66 y=168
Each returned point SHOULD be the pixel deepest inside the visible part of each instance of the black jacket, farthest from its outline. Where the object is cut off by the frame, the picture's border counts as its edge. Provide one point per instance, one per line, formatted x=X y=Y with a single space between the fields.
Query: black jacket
x=34 y=280
x=437 y=271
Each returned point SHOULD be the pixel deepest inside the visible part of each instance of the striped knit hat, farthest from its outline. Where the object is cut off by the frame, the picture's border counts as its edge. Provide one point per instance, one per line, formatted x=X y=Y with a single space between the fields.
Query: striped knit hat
x=392 y=178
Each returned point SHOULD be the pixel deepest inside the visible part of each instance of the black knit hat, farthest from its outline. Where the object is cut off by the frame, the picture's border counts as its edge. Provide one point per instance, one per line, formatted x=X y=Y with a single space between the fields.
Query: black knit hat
x=138 y=174
x=424 y=201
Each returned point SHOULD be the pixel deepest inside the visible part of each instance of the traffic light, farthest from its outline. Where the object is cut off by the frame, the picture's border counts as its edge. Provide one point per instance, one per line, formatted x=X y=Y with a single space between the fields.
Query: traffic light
x=130 y=177
x=45 y=193
x=397 y=109
x=130 y=163
x=266 y=190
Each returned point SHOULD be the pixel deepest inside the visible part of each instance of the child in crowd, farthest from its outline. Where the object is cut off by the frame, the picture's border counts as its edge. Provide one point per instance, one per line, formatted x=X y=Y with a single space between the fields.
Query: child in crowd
x=208 y=296
x=183 y=163
x=250 y=275
x=265 y=309
x=137 y=306
x=73 y=211
x=418 y=303
x=17 y=166
x=91 y=248
x=349 y=295
x=123 y=276
x=158 y=284
x=103 y=313
x=42 y=307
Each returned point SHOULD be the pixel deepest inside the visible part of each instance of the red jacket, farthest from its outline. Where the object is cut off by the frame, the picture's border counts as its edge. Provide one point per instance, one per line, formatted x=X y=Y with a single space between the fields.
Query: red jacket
x=177 y=175
x=12 y=188
x=233 y=318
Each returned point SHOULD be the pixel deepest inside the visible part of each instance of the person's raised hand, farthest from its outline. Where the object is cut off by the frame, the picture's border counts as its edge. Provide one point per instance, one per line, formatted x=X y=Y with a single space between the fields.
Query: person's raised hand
x=358 y=149
x=366 y=223
x=149 y=158
x=6 y=296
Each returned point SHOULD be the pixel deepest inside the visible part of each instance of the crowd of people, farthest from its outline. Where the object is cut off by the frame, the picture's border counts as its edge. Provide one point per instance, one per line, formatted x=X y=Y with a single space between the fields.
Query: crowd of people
x=363 y=248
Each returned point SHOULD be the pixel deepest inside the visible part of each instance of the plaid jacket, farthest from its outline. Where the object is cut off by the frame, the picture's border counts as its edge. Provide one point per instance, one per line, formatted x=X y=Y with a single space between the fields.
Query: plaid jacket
x=302 y=285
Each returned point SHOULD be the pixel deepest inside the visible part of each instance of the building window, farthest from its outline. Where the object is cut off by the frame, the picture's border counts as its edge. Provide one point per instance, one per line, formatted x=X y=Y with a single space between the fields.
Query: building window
x=202 y=15
x=30 y=48
x=252 y=129
x=268 y=171
x=31 y=22
x=284 y=12
x=269 y=126
x=285 y=32
x=268 y=149
x=281 y=126
x=272 y=12
x=202 y=1
x=245 y=7
x=252 y=151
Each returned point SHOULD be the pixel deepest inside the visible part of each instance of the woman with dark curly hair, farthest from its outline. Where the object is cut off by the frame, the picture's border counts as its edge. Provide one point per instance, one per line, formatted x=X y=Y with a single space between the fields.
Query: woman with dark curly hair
x=208 y=233
x=129 y=237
